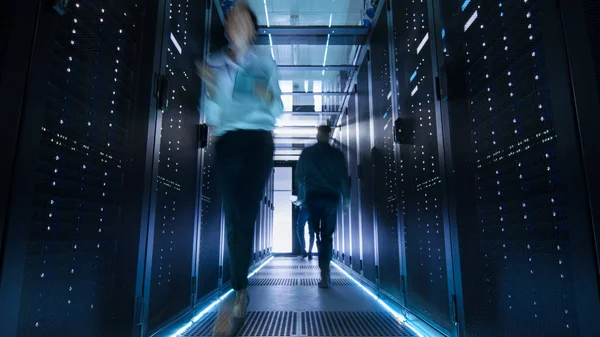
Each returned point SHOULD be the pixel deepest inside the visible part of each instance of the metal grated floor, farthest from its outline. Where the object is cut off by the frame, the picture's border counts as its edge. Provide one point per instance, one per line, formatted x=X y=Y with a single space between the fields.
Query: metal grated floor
x=287 y=282
x=258 y=324
x=285 y=300
x=351 y=324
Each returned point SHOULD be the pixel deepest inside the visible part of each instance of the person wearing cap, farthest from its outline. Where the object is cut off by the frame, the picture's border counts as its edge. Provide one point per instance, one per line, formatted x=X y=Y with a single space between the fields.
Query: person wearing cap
x=323 y=174
x=242 y=105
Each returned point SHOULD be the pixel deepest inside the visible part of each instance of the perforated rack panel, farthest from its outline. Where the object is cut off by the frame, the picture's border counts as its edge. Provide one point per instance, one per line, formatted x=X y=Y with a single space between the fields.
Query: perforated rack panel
x=354 y=190
x=366 y=173
x=348 y=149
x=80 y=270
x=385 y=179
x=420 y=178
x=513 y=211
x=173 y=244
x=210 y=217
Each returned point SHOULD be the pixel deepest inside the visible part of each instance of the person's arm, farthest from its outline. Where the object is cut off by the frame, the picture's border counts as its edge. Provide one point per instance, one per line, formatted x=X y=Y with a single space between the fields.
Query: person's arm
x=211 y=109
x=272 y=96
x=344 y=178
x=300 y=175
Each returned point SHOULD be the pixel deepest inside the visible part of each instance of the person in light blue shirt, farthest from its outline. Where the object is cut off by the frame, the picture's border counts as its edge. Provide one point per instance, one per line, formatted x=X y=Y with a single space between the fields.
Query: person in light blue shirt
x=243 y=103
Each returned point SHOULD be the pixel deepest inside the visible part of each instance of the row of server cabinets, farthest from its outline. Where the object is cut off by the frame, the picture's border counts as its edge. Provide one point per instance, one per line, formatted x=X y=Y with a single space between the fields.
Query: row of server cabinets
x=111 y=223
x=474 y=166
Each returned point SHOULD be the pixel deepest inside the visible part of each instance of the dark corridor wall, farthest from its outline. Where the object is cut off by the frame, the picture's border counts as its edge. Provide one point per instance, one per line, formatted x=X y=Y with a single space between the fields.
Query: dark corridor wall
x=470 y=205
x=113 y=222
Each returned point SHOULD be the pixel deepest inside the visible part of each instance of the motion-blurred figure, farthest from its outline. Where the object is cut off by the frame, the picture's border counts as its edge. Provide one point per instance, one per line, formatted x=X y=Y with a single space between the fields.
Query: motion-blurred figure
x=301 y=224
x=324 y=172
x=242 y=106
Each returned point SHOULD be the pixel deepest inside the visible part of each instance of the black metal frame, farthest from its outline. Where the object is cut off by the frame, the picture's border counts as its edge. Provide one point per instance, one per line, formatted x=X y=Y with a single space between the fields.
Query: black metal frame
x=312 y=35
x=585 y=89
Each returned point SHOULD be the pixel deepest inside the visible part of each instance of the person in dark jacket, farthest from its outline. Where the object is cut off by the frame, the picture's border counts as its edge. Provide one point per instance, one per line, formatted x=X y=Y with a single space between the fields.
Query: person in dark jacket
x=323 y=172
x=301 y=224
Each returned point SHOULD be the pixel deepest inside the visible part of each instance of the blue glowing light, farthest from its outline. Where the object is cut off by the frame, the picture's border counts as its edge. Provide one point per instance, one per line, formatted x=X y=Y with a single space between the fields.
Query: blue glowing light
x=401 y=318
x=465 y=4
x=414 y=75
x=196 y=318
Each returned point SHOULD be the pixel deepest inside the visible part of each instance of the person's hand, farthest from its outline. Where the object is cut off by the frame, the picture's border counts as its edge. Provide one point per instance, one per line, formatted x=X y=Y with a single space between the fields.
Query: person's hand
x=264 y=93
x=346 y=204
x=207 y=75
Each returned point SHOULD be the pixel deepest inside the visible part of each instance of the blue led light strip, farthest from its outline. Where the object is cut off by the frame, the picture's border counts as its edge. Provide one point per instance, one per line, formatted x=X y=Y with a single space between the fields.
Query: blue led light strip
x=465 y=4
x=413 y=76
x=214 y=304
x=399 y=317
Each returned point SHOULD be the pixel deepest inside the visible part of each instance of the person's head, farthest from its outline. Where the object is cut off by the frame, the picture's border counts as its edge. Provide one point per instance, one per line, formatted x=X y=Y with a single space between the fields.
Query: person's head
x=323 y=134
x=241 y=25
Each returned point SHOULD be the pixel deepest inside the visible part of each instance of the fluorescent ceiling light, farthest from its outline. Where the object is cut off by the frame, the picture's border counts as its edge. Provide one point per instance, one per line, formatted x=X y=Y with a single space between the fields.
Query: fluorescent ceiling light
x=308 y=132
x=294 y=141
x=286 y=158
x=295 y=123
x=287 y=152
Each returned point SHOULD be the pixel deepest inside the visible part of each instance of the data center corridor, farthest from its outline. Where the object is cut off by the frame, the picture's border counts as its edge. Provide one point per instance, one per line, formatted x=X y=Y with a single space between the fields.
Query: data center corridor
x=470 y=133
x=285 y=301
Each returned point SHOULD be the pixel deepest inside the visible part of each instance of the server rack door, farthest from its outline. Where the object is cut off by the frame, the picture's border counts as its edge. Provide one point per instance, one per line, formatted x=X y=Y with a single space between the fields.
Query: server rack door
x=355 y=243
x=420 y=175
x=347 y=149
x=366 y=174
x=339 y=229
x=17 y=25
x=212 y=239
x=173 y=239
x=81 y=189
x=385 y=178
x=522 y=217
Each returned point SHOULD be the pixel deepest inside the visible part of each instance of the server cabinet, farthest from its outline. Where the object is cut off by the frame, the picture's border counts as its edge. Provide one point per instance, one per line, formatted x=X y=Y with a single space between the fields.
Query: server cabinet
x=172 y=246
x=348 y=149
x=385 y=196
x=212 y=248
x=522 y=220
x=421 y=177
x=353 y=131
x=365 y=172
x=81 y=189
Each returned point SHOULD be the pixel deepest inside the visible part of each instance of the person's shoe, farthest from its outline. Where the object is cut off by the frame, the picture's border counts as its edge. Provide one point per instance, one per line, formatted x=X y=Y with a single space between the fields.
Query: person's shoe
x=303 y=256
x=241 y=304
x=232 y=315
x=310 y=256
x=325 y=280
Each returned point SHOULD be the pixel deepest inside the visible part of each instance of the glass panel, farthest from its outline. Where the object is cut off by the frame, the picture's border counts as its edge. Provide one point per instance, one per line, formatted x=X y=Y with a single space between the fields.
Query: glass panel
x=314 y=55
x=308 y=12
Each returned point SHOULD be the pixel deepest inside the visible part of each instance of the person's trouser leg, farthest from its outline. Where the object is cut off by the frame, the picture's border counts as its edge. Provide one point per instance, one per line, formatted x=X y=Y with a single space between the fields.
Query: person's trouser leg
x=300 y=225
x=244 y=163
x=311 y=233
x=327 y=228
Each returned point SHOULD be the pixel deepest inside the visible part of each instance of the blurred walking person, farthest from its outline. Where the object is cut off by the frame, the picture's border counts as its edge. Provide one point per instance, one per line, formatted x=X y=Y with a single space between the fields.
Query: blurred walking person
x=323 y=171
x=244 y=100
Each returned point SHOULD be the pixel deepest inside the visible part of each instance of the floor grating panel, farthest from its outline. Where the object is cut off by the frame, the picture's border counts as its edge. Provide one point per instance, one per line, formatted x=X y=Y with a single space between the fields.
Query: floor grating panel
x=312 y=324
x=351 y=324
x=289 y=282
